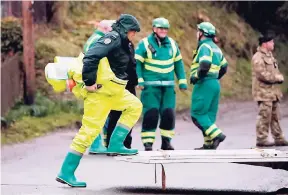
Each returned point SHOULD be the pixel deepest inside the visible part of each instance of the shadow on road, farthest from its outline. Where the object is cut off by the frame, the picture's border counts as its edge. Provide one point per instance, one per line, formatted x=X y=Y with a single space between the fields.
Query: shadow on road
x=149 y=190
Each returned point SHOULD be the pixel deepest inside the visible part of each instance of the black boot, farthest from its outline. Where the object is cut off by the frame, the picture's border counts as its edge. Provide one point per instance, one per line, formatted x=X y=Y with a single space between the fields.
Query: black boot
x=166 y=144
x=217 y=140
x=281 y=142
x=264 y=143
x=148 y=146
x=205 y=147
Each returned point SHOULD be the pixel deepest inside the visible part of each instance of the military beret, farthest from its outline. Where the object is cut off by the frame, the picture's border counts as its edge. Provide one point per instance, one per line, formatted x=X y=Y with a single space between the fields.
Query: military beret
x=264 y=39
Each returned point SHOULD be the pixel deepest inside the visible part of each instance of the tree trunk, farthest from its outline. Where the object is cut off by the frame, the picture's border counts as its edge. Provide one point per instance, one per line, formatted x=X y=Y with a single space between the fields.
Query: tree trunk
x=59 y=9
x=28 y=52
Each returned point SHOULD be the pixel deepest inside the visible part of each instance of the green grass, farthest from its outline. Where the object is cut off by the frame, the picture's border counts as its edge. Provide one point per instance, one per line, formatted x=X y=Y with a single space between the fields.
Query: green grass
x=25 y=122
x=31 y=127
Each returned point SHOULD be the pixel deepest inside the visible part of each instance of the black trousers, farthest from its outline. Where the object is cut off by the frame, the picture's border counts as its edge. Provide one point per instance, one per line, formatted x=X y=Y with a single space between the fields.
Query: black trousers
x=113 y=119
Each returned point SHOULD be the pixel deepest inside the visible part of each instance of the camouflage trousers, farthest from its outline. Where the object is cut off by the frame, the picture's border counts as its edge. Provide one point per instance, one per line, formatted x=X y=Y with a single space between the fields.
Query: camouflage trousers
x=268 y=116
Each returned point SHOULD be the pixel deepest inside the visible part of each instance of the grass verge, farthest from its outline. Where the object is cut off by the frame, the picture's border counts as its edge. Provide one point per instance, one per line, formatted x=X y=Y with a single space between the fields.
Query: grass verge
x=31 y=127
x=45 y=115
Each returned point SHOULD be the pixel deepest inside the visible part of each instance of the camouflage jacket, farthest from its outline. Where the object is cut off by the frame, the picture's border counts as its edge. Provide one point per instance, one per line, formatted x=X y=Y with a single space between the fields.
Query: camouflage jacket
x=265 y=76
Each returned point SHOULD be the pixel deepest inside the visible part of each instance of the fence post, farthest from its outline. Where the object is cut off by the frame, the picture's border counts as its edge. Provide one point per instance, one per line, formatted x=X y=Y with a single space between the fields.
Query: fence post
x=28 y=52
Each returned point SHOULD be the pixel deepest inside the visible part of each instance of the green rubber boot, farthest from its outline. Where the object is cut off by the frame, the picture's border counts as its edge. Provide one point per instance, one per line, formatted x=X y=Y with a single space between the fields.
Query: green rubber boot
x=66 y=175
x=116 y=144
x=97 y=146
x=205 y=147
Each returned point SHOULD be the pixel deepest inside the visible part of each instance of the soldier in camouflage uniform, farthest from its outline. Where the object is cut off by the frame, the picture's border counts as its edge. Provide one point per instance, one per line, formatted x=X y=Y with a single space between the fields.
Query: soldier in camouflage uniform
x=266 y=78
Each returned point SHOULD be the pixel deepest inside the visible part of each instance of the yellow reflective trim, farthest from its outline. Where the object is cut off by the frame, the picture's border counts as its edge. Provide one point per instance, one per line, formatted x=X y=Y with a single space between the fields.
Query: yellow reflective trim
x=179 y=57
x=210 y=129
x=89 y=43
x=149 y=140
x=173 y=47
x=224 y=61
x=167 y=133
x=105 y=136
x=182 y=81
x=195 y=58
x=159 y=62
x=124 y=82
x=146 y=43
x=208 y=58
x=207 y=138
x=209 y=47
x=216 y=133
x=204 y=44
x=213 y=68
x=194 y=73
x=207 y=143
x=140 y=80
x=191 y=74
x=194 y=66
x=159 y=70
x=148 y=134
x=140 y=58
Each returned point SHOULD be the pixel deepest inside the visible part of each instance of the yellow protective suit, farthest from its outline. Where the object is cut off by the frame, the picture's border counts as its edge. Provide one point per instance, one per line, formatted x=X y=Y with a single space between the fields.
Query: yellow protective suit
x=97 y=105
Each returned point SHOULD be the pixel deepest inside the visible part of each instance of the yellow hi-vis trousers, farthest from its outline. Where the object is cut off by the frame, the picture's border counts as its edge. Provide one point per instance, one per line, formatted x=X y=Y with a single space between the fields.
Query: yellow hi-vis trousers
x=97 y=106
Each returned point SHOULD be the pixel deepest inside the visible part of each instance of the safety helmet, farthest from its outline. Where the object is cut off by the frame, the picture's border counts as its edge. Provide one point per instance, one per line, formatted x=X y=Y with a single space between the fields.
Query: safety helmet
x=207 y=28
x=161 y=23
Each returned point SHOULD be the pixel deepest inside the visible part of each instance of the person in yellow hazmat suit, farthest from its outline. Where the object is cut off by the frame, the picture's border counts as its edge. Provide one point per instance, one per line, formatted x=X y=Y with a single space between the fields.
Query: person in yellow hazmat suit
x=99 y=145
x=103 y=90
x=103 y=27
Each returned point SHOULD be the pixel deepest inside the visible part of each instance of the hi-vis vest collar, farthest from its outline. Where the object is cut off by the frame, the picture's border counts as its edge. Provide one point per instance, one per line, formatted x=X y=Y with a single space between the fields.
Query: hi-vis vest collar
x=149 y=53
x=150 y=60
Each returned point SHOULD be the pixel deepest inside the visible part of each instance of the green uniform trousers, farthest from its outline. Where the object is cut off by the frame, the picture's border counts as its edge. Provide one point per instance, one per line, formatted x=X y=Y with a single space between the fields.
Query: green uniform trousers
x=158 y=100
x=205 y=100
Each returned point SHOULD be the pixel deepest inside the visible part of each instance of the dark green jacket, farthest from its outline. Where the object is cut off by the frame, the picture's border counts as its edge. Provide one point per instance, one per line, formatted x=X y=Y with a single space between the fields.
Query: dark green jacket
x=116 y=49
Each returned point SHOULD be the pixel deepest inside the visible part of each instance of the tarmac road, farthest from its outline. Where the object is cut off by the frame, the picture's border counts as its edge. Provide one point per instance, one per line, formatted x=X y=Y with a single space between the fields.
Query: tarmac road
x=31 y=167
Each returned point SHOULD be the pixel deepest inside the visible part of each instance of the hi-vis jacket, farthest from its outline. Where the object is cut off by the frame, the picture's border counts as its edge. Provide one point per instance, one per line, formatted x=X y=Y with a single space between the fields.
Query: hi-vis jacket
x=208 y=53
x=157 y=62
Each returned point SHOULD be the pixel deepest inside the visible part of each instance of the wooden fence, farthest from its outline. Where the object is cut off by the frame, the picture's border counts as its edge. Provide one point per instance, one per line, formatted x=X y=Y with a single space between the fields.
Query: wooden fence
x=12 y=79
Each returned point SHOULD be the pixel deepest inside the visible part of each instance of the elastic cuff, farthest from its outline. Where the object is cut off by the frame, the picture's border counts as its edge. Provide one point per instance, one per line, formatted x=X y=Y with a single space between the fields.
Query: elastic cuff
x=183 y=86
x=140 y=80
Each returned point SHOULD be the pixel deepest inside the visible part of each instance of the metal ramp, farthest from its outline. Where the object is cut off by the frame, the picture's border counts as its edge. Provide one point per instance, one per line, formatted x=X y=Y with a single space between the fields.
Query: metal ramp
x=273 y=158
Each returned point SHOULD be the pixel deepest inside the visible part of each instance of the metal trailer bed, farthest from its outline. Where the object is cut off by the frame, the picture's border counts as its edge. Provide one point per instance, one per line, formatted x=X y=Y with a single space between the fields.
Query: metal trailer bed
x=273 y=158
